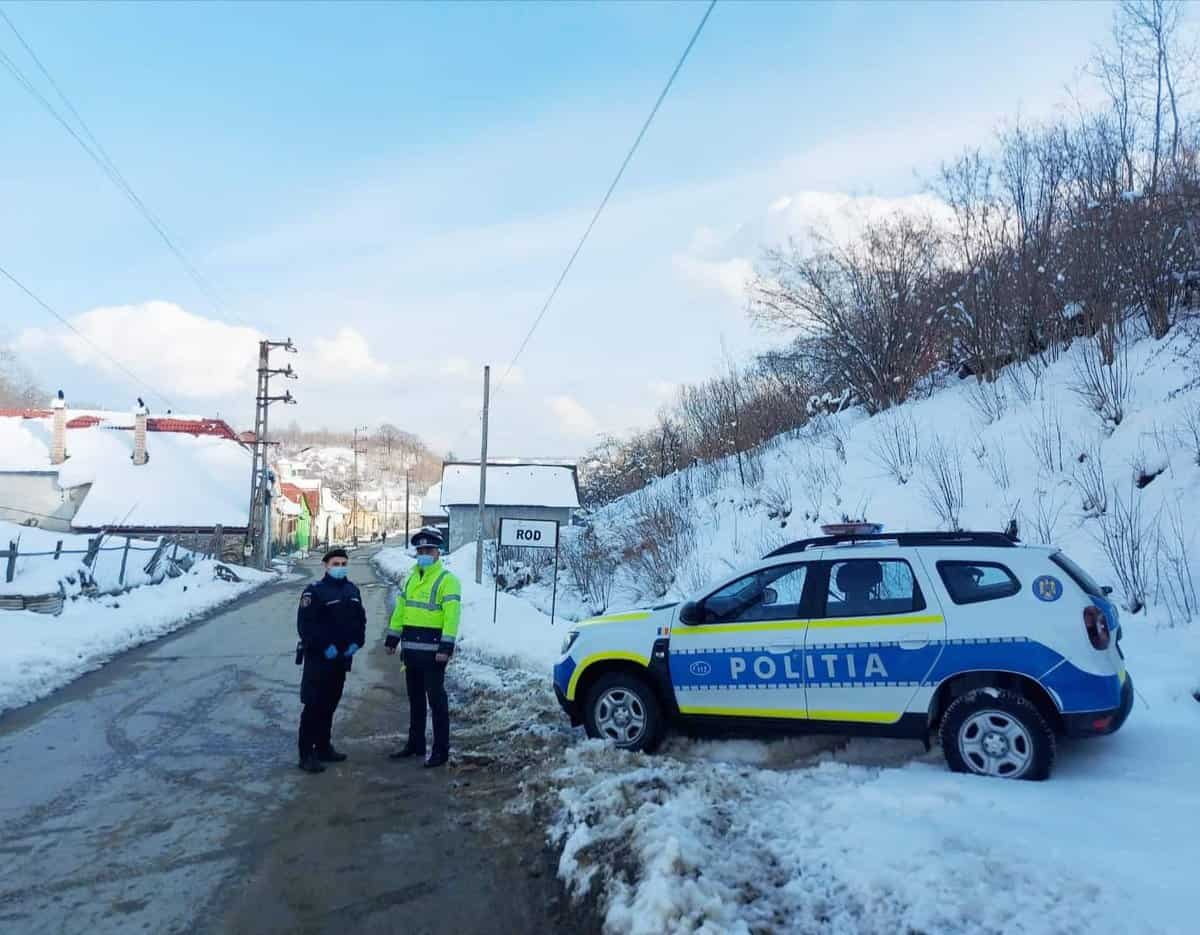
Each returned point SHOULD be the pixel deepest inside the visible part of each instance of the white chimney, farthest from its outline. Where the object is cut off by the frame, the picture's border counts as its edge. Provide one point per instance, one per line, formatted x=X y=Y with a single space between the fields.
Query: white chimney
x=58 y=452
x=139 y=433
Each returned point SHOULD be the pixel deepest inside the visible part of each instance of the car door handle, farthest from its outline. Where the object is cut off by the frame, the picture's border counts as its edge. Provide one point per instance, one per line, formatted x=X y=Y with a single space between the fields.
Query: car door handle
x=916 y=641
x=779 y=648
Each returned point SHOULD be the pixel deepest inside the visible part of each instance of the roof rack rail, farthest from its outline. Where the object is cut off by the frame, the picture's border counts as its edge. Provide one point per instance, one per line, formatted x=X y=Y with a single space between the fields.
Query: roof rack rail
x=994 y=539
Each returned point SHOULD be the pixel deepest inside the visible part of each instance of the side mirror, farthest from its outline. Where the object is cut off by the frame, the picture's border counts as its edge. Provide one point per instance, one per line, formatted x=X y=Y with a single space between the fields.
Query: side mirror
x=770 y=596
x=691 y=613
x=1106 y=589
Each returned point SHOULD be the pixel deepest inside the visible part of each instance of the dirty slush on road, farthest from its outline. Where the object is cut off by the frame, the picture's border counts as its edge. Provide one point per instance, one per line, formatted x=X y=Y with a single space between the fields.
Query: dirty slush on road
x=387 y=846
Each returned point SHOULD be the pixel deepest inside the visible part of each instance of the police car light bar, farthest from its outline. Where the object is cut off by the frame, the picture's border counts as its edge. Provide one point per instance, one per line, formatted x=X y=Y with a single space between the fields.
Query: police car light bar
x=852 y=529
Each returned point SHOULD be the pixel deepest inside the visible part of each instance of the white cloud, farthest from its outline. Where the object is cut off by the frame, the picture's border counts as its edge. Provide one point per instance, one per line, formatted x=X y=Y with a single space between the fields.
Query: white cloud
x=573 y=418
x=175 y=352
x=725 y=263
x=662 y=390
x=345 y=358
x=462 y=369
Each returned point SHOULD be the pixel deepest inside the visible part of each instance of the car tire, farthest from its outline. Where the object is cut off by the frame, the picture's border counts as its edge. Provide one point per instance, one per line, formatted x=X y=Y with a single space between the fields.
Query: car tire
x=999 y=733
x=621 y=707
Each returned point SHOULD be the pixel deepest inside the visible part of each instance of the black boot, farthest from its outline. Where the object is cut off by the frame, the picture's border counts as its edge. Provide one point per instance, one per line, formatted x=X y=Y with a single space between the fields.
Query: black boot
x=310 y=764
x=330 y=755
x=406 y=751
x=437 y=759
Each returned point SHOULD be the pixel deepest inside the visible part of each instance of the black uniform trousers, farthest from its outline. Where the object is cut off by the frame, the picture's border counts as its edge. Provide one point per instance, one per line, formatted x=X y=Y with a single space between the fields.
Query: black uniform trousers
x=321 y=693
x=425 y=678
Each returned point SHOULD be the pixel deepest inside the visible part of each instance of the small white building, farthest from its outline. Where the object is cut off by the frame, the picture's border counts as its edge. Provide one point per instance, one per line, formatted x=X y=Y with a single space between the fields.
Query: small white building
x=516 y=490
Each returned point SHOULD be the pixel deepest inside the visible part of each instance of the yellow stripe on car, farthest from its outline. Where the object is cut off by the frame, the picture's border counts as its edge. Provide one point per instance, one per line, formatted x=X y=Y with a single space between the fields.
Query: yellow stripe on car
x=600 y=657
x=617 y=618
x=828 y=623
x=870 y=717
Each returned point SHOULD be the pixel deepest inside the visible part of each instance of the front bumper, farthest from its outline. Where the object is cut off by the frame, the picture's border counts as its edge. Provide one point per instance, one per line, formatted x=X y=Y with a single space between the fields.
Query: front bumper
x=570 y=707
x=1098 y=723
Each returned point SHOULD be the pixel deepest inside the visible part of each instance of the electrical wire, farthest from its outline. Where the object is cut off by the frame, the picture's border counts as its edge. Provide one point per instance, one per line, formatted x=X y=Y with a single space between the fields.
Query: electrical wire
x=138 y=381
x=607 y=195
x=100 y=156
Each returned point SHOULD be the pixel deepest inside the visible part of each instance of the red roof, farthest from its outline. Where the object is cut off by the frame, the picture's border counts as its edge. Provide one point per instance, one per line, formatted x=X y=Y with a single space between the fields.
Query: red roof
x=295 y=494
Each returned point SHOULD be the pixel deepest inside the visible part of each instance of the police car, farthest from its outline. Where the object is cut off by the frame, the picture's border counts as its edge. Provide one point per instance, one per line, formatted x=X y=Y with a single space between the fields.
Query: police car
x=997 y=647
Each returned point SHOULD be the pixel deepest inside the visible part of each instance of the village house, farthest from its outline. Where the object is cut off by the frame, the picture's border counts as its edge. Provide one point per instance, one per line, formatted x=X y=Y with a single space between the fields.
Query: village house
x=517 y=490
x=131 y=473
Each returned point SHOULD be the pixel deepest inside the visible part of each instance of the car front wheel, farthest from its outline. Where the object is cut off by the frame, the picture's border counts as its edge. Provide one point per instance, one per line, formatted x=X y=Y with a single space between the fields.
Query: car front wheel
x=999 y=733
x=622 y=708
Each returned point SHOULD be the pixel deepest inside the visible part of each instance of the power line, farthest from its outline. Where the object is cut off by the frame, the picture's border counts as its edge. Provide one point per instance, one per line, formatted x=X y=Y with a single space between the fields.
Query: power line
x=608 y=194
x=99 y=155
x=29 y=292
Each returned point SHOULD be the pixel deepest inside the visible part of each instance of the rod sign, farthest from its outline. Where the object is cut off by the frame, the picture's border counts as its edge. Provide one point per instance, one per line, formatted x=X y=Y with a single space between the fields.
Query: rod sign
x=529 y=533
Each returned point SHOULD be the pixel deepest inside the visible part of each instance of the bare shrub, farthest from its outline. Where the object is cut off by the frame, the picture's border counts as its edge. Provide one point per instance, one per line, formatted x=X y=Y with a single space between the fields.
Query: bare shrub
x=1024 y=379
x=996 y=465
x=1045 y=438
x=655 y=542
x=1128 y=539
x=1175 y=578
x=592 y=566
x=821 y=482
x=1105 y=386
x=1189 y=432
x=769 y=540
x=777 y=497
x=988 y=400
x=897 y=445
x=1091 y=482
x=943 y=481
x=1047 y=510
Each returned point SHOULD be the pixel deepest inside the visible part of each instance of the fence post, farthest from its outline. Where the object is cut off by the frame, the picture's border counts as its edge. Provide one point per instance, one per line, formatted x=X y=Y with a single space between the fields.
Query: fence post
x=124 y=559
x=10 y=569
x=93 y=549
x=58 y=550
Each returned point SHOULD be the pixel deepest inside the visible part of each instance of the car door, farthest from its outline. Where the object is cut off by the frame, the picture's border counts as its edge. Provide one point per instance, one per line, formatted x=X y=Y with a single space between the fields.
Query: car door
x=741 y=656
x=875 y=634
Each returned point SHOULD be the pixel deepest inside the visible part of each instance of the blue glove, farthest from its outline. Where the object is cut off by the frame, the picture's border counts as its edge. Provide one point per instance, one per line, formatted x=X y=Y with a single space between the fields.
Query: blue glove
x=351 y=650
x=331 y=651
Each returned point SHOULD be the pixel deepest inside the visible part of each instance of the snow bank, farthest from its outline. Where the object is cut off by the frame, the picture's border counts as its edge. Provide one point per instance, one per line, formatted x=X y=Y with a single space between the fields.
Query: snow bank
x=39 y=654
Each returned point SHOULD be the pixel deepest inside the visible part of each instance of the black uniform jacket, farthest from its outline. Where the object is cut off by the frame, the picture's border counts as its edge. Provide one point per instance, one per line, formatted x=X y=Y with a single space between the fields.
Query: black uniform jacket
x=331 y=614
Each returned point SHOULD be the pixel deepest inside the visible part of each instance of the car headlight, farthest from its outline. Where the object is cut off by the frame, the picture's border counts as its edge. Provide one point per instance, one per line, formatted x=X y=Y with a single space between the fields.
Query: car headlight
x=572 y=636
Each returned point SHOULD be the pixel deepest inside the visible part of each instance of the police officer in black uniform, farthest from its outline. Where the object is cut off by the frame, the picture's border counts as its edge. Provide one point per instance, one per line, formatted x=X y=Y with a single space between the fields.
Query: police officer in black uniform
x=332 y=626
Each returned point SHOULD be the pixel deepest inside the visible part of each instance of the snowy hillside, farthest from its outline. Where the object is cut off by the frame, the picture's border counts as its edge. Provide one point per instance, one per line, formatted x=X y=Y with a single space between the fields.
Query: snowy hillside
x=1119 y=498
x=823 y=834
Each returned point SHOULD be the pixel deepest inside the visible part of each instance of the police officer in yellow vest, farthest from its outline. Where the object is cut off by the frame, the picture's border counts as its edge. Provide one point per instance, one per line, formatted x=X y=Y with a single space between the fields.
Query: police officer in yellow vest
x=425 y=625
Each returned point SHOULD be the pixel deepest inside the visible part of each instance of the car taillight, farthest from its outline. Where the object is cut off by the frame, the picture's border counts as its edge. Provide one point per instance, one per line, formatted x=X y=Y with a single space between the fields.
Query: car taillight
x=1096 y=625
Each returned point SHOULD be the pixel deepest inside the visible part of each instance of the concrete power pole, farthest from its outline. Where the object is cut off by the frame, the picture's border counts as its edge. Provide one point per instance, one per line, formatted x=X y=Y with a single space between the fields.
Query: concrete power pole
x=487 y=380
x=354 y=502
x=258 y=523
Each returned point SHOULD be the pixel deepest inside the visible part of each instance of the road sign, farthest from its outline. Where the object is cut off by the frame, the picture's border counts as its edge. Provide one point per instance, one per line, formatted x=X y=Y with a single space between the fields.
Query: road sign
x=526 y=534
x=529 y=533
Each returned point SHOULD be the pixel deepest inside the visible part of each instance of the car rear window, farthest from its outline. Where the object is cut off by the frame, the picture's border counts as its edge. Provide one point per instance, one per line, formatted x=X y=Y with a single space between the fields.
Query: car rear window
x=972 y=582
x=1077 y=574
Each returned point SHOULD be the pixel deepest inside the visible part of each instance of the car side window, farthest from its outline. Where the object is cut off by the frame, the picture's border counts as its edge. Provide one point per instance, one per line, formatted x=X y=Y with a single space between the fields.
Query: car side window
x=775 y=593
x=972 y=582
x=867 y=587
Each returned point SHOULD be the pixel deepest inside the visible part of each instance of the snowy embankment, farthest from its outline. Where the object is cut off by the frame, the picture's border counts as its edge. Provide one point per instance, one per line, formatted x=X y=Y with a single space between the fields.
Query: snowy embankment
x=41 y=653
x=825 y=834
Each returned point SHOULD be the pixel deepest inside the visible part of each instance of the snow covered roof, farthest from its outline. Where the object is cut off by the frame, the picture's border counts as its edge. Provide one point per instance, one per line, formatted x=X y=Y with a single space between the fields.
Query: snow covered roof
x=431 y=503
x=196 y=475
x=546 y=485
x=330 y=504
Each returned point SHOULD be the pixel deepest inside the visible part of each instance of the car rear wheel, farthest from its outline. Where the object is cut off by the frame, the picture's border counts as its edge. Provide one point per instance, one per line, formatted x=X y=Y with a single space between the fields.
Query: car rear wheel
x=621 y=708
x=998 y=733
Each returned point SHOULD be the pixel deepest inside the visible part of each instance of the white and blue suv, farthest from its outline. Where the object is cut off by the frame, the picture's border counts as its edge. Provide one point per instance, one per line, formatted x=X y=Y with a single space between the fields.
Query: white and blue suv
x=997 y=646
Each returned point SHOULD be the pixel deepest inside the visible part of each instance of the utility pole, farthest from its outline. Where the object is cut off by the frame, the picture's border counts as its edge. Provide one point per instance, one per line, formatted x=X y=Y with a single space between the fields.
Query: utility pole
x=258 y=523
x=354 y=502
x=407 y=481
x=487 y=380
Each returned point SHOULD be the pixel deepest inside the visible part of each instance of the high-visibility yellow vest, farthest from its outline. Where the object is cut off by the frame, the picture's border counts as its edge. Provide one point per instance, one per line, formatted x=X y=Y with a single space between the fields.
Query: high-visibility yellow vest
x=427 y=612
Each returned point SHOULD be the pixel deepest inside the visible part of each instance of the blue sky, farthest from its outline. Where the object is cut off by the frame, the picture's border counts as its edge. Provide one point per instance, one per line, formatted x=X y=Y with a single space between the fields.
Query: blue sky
x=398 y=186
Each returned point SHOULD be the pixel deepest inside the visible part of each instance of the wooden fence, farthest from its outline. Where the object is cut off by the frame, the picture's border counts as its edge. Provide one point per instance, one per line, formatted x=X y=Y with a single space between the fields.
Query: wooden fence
x=164 y=561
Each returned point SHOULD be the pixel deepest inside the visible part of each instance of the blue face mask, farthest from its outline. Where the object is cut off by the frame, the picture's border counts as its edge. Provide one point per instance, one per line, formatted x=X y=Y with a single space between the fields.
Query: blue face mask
x=424 y=561
x=338 y=572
